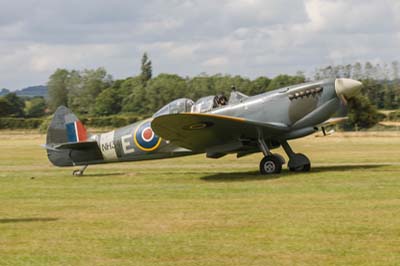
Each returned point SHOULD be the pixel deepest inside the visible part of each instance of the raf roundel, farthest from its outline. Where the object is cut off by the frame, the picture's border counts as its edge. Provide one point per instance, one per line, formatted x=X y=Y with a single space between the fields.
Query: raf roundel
x=145 y=139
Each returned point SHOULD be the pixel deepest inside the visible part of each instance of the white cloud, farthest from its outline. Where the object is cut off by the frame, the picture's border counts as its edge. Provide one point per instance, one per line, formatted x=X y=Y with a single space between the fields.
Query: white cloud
x=216 y=62
x=188 y=37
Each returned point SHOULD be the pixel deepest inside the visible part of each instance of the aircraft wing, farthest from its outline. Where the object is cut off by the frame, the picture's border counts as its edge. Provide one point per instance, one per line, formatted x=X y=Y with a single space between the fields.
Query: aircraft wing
x=199 y=132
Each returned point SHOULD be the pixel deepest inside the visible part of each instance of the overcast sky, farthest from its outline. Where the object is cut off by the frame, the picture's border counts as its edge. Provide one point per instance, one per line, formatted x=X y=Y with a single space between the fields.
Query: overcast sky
x=188 y=37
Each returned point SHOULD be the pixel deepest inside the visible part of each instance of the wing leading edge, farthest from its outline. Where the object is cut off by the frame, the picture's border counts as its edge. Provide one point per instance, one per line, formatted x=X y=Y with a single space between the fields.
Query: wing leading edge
x=201 y=132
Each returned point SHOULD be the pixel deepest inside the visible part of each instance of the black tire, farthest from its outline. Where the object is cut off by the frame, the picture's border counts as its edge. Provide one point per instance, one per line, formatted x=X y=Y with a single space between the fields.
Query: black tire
x=299 y=163
x=270 y=165
x=306 y=168
x=303 y=168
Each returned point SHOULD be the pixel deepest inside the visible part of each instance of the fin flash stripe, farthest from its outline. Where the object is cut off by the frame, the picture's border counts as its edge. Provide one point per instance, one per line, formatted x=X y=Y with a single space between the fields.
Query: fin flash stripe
x=76 y=132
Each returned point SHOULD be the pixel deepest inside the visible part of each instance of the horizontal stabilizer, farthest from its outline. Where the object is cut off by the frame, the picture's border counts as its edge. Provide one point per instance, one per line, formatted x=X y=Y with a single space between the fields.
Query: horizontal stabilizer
x=74 y=153
x=77 y=145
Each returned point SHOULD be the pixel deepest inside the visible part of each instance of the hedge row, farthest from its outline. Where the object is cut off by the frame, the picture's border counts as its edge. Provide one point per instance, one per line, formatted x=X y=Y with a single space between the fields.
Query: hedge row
x=20 y=123
x=42 y=123
x=110 y=121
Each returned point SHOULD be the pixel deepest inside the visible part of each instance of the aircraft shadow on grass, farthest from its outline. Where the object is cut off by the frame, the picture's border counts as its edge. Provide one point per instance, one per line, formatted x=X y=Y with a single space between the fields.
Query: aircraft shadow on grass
x=27 y=220
x=103 y=174
x=254 y=175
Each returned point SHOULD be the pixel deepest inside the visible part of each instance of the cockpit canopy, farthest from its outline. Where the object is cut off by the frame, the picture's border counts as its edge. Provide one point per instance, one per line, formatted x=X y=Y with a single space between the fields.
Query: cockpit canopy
x=182 y=105
x=202 y=105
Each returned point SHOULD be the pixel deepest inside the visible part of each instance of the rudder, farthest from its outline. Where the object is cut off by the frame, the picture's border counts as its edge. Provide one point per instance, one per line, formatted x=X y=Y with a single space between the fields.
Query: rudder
x=65 y=127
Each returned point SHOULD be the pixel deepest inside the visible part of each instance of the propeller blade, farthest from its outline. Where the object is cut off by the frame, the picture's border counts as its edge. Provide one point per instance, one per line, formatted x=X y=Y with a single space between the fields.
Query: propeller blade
x=344 y=100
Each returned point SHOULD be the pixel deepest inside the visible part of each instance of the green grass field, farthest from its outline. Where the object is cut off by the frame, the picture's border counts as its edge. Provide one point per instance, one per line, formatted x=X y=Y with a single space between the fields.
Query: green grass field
x=197 y=211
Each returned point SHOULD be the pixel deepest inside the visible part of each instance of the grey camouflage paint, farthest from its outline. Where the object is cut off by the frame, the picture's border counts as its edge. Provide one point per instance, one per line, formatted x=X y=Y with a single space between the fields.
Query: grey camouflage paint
x=300 y=107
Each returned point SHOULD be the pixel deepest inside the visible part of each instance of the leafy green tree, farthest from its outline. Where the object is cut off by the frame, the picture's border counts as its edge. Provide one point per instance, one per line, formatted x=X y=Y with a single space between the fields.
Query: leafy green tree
x=200 y=86
x=396 y=84
x=146 y=69
x=57 y=87
x=390 y=100
x=163 y=89
x=108 y=102
x=357 y=71
x=74 y=88
x=347 y=71
x=259 y=85
x=373 y=90
x=240 y=83
x=223 y=84
x=362 y=114
x=17 y=105
x=84 y=86
x=369 y=71
x=117 y=84
x=5 y=107
x=133 y=95
x=35 y=107
x=284 y=80
x=328 y=72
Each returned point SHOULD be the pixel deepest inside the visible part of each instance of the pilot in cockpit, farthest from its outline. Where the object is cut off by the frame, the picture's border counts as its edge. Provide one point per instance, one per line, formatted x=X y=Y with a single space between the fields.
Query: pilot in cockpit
x=221 y=100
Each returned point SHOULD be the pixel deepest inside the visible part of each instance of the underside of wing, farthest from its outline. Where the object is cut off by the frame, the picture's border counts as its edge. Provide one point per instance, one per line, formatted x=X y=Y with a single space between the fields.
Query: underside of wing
x=201 y=132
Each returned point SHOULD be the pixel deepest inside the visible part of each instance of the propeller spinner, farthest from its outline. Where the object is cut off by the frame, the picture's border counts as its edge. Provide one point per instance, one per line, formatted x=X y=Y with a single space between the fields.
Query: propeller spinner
x=347 y=87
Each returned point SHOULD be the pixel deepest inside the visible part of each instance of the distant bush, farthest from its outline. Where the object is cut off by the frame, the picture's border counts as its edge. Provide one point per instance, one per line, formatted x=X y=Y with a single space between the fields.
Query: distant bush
x=394 y=116
x=362 y=114
x=45 y=124
x=110 y=121
x=20 y=123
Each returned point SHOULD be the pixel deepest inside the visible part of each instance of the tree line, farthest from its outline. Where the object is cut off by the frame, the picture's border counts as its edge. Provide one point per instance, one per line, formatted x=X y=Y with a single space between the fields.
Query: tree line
x=12 y=105
x=93 y=92
x=96 y=93
x=381 y=82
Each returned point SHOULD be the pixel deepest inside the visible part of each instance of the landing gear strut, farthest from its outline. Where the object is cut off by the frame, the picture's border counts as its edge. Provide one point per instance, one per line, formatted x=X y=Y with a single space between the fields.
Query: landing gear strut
x=297 y=162
x=79 y=172
x=271 y=163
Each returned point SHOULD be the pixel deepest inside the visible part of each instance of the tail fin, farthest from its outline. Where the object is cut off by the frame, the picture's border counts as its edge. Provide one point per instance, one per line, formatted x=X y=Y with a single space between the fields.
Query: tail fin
x=65 y=127
x=63 y=137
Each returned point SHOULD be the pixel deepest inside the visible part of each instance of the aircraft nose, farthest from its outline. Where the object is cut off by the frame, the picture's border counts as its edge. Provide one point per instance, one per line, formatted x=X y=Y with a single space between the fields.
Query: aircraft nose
x=347 y=87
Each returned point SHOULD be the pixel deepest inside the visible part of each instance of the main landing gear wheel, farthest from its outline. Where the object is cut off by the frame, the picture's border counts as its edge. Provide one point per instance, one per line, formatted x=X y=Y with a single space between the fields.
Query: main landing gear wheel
x=302 y=168
x=270 y=165
x=299 y=163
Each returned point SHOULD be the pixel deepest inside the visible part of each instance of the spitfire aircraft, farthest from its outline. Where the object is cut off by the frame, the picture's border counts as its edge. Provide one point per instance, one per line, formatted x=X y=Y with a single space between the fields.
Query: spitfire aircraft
x=213 y=125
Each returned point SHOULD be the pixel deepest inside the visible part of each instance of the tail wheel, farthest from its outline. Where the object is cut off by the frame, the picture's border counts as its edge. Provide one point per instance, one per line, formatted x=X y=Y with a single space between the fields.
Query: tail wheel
x=270 y=165
x=77 y=173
